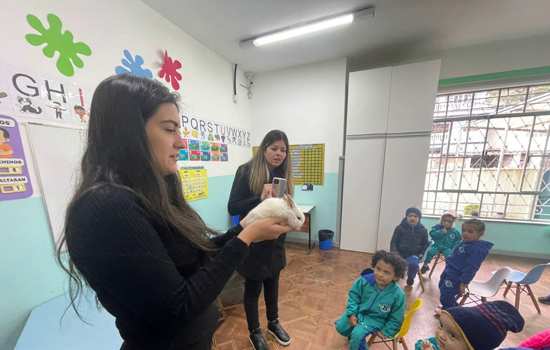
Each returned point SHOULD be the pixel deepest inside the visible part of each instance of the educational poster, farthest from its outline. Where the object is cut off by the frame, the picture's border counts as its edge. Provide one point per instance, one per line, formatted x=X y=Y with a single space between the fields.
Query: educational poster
x=308 y=164
x=196 y=150
x=194 y=182
x=32 y=96
x=206 y=130
x=14 y=174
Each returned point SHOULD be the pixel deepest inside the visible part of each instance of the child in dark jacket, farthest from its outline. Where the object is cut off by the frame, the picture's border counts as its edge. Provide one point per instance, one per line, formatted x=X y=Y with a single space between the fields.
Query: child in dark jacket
x=376 y=303
x=410 y=240
x=464 y=262
x=445 y=238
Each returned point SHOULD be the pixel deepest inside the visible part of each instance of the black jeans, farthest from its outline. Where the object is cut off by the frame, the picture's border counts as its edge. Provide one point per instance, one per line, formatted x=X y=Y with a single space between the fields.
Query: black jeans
x=252 y=291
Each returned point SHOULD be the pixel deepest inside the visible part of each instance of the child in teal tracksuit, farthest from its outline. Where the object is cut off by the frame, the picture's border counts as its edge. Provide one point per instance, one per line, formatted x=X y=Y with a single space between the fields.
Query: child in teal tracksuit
x=376 y=303
x=445 y=238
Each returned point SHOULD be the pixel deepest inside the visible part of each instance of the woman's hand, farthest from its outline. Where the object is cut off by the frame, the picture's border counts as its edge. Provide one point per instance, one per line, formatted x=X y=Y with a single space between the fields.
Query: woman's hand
x=267 y=192
x=353 y=320
x=263 y=230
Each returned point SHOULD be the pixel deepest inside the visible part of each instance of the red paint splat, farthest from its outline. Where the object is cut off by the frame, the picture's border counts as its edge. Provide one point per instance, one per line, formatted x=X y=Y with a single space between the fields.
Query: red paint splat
x=169 y=71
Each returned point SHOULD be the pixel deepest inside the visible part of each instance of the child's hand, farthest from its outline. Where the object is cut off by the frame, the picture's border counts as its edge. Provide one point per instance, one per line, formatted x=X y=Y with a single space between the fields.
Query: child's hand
x=353 y=320
x=267 y=191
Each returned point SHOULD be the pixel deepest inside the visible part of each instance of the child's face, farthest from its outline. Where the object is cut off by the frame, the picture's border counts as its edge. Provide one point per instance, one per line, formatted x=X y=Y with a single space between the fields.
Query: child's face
x=384 y=273
x=412 y=219
x=469 y=233
x=447 y=221
x=449 y=335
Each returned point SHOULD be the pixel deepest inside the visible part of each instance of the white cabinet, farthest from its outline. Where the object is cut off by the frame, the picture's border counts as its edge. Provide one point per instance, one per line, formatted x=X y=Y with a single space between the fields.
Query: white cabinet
x=388 y=128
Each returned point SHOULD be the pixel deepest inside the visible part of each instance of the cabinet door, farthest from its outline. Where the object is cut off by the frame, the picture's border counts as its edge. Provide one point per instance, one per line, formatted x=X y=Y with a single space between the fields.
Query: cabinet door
x=361 y=194
x=412 y=97
x=403 y=185
x=368 y=101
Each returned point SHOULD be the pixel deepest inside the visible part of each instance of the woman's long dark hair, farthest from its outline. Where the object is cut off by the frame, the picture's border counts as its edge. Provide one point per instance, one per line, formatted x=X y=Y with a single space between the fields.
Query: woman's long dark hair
x=118 y=154
x=258 y=165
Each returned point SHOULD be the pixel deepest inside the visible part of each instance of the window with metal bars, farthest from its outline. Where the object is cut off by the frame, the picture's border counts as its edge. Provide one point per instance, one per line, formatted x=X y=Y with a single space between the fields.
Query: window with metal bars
x=489 y=154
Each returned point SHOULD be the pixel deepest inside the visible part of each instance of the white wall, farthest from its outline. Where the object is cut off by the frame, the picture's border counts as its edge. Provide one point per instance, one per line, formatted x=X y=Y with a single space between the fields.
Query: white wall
x=28 y=272
x=307 y=102
x=109 y=27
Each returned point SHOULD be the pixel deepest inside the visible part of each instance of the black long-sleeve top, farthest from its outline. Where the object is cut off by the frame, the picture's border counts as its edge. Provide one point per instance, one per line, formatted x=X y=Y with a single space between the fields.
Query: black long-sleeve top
x=268 y=257
x=158 y=286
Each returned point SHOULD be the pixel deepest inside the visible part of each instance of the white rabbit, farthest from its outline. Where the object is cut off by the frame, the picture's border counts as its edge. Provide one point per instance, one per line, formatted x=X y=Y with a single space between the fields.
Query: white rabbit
x=283 y=208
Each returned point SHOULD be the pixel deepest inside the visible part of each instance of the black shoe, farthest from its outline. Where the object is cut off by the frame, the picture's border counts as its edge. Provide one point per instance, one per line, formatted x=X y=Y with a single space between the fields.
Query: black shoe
x=278 y=332
x=258 y=340
x=424 y=269
x=545 y=300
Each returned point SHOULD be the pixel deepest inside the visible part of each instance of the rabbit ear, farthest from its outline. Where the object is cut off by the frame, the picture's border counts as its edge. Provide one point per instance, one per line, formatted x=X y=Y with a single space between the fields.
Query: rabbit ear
x=290 y=201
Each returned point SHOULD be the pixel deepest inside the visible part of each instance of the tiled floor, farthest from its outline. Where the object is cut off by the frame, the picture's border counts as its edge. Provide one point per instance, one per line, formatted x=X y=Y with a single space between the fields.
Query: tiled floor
x=313 y=293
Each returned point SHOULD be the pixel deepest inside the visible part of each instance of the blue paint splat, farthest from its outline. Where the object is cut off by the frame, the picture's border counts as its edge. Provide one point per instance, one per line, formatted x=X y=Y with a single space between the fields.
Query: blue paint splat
x=133 y=65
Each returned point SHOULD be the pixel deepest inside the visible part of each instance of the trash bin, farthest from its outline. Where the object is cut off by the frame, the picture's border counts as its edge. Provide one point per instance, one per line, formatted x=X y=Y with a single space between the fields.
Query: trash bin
x=325 y=239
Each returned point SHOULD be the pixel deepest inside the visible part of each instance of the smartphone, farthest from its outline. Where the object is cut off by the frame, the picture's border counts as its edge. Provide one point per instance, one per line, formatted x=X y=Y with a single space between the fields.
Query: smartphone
x=279 y=187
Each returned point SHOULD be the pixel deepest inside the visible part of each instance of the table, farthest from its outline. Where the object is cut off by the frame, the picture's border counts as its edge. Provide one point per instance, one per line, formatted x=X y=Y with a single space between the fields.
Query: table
x=307 y=209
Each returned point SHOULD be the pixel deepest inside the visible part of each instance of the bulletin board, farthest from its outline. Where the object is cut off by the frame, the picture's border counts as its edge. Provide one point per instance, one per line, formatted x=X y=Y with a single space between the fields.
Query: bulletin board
x=194 y=182
x=307 y=163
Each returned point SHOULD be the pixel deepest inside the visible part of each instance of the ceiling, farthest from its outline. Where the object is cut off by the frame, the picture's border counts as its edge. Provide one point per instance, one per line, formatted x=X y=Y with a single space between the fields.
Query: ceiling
x=398 y=26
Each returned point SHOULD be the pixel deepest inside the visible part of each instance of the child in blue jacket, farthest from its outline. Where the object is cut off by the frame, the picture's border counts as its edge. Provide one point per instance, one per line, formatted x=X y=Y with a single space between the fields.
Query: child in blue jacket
x=376 y=303
x=445 y=238
x=464 y=262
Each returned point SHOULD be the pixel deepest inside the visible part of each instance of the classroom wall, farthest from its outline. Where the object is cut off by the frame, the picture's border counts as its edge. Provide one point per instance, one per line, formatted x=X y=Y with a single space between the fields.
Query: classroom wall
x=307 y=102
x=28 y=272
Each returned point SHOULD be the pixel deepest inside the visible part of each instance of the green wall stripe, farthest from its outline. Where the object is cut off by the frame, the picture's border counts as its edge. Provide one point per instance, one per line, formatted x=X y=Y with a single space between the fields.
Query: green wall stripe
x=512 y=74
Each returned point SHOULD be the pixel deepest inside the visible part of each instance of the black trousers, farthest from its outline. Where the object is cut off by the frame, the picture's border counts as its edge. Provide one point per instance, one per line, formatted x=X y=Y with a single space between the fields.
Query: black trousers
x=252 y=289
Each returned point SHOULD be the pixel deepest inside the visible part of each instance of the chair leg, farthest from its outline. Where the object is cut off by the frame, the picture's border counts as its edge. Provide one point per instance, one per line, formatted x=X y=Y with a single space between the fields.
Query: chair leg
x=421 y=281
x=508 y=286
x=530 y=292
x=434 y=265
x=394 y=344
x=518 y=294
x=483 y=299
x=464 y=298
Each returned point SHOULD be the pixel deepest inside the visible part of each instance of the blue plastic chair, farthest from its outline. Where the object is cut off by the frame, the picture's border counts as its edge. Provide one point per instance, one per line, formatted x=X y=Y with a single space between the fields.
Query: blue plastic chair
x=523 y=281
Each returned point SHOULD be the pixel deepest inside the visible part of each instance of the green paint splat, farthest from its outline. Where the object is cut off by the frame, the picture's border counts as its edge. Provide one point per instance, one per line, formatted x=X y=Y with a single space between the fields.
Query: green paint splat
x=58 y=41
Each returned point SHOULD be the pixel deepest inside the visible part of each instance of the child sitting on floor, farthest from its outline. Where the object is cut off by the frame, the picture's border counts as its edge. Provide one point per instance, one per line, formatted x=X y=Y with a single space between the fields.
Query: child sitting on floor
x=376 y=303
x=445 y=238
x=482 y=327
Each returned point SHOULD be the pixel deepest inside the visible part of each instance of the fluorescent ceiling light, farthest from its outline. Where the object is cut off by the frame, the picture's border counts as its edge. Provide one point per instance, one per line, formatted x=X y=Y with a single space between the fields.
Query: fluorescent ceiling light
x=304 y=29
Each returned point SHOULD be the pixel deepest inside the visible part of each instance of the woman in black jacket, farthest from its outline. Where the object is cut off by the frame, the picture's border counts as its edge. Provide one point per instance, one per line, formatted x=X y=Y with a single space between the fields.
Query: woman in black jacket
x=251 y=185
x=130 y=234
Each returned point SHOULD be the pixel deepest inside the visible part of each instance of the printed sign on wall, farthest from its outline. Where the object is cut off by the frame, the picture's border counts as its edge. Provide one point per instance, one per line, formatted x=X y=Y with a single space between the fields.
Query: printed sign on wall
x=30 y=96
x=194 y=182
x=14 y=174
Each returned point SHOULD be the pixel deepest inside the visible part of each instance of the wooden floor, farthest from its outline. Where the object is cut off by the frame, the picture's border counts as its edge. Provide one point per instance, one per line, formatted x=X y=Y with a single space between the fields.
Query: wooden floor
x=313 y=293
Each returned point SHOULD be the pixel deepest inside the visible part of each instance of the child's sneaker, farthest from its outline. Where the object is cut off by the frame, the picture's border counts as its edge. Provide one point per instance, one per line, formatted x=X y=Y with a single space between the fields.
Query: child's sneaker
x=424 y=269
